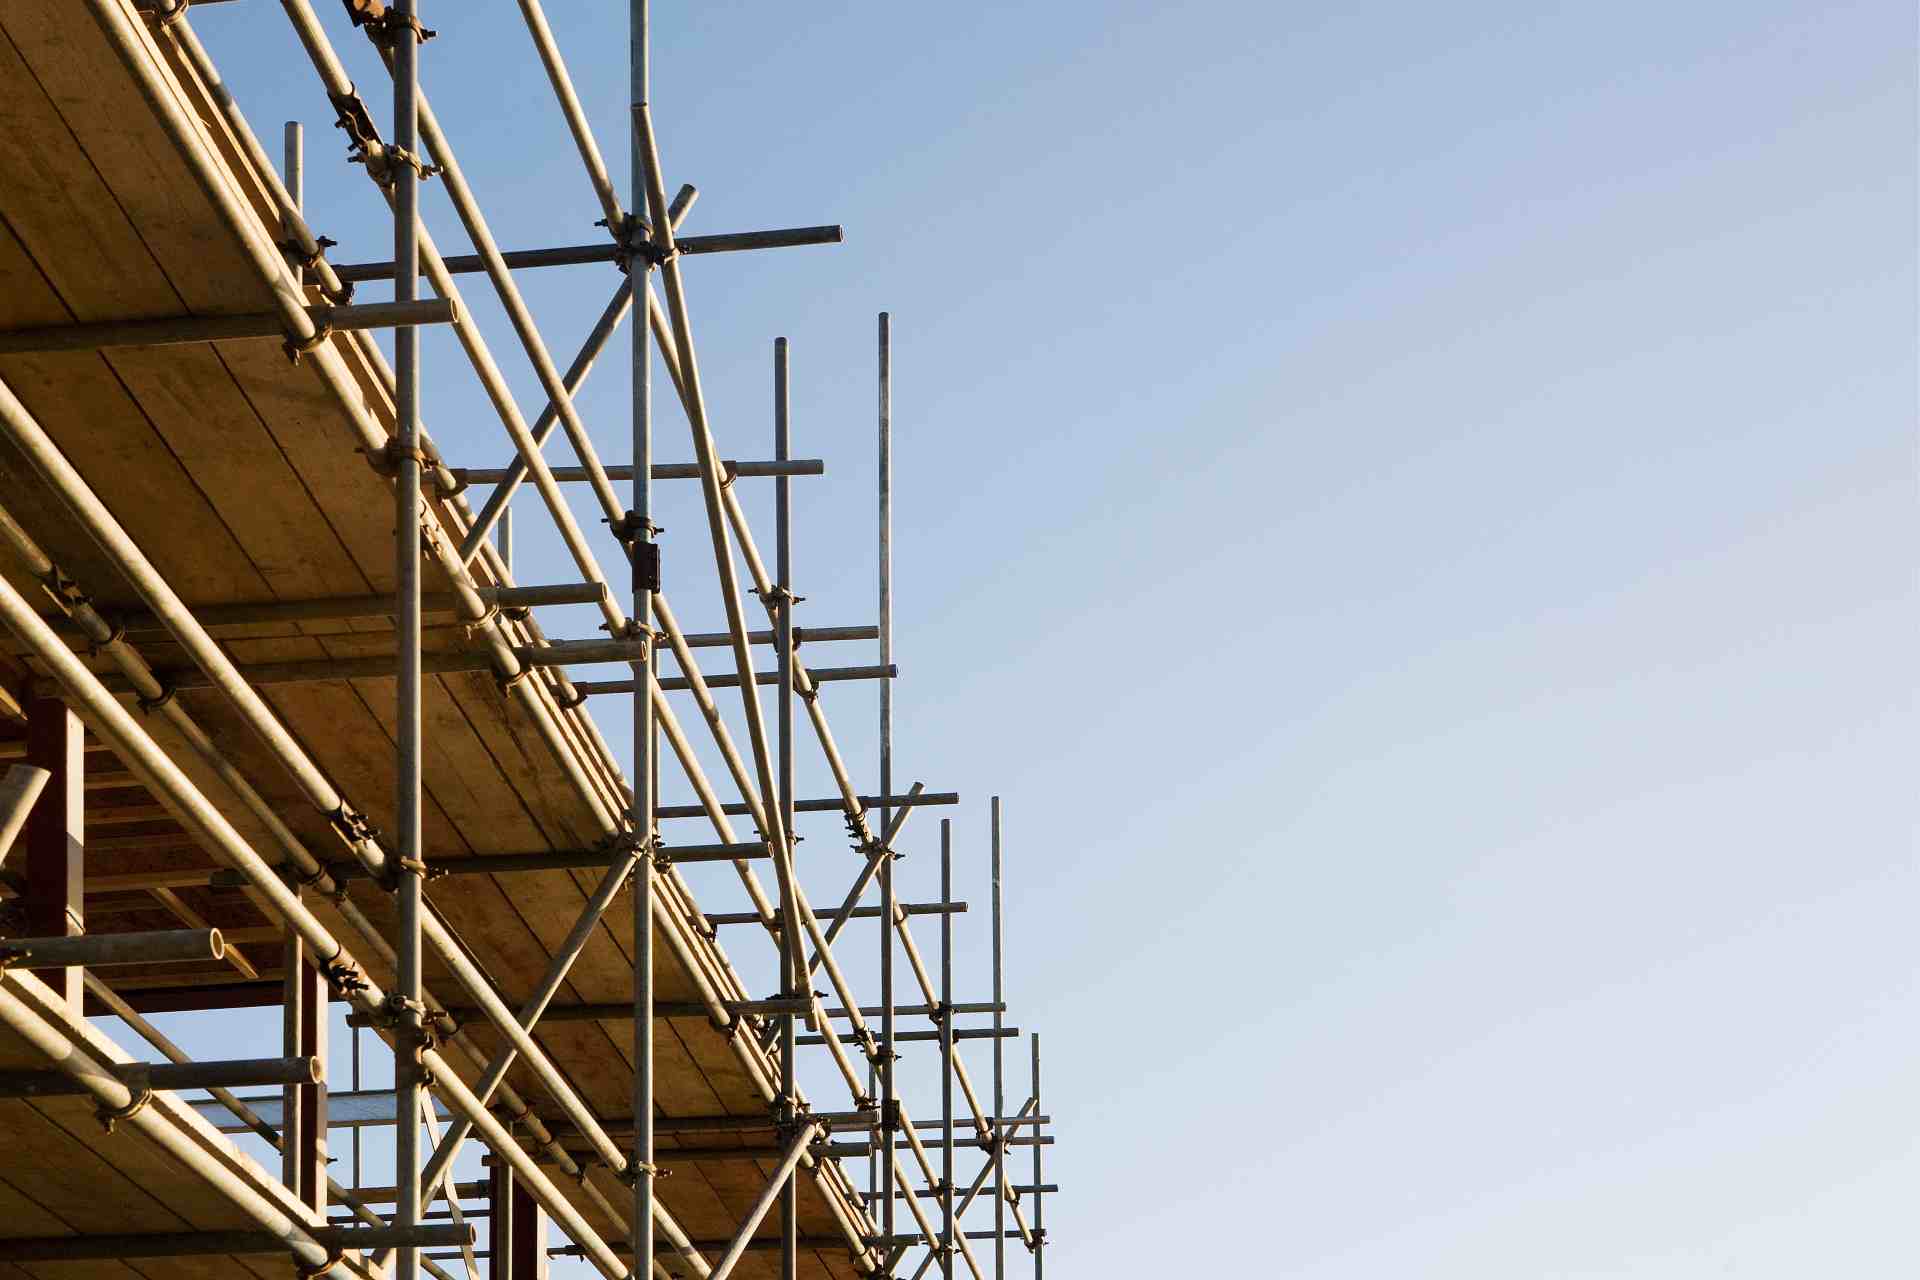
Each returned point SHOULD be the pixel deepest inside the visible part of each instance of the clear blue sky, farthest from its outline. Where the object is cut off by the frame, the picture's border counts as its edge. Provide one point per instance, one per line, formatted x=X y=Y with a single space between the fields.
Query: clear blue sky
x=1413 y=508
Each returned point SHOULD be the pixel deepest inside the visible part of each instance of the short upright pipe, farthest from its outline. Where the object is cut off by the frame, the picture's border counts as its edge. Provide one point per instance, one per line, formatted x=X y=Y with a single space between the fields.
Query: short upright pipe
x=999 y=1066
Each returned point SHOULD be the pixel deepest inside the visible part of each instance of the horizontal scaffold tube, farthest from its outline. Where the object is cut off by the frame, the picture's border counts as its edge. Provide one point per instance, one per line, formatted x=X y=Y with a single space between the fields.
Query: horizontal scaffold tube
x=173 y=330
x=345 y=608
x=582 y=254
x=154 y=946
x=659 y=470
x=234 y=1073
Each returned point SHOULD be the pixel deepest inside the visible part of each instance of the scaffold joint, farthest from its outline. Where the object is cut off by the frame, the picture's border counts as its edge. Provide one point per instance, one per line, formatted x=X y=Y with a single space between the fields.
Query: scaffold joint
x=165 y=12
x=382 y=24
x=111 y=1116
x=386 y=460
x=159 y=700
x=297 y=347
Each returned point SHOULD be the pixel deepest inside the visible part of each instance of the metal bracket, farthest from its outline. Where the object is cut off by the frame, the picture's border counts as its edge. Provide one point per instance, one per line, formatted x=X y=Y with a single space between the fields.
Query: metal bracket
x=150 y=705
x=63 y=591
x=385 y=460
x=351 y=115
x=380 y=162
x=382 y=24
x=351 y=825
x=297 y=347
x=165 y=14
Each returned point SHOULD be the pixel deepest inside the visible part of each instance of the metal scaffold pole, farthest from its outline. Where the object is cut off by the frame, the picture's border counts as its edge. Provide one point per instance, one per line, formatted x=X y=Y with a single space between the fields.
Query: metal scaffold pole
x=646 y=581
x=946 y=1050
x=889 y=1100
x=999 y=1065
x=1039 y=1197
x=790 y=976
x=403 y=33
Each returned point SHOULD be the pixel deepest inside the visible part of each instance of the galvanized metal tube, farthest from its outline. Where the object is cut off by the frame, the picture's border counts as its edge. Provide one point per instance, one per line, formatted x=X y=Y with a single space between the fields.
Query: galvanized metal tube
x=946 y=1048
x=293 y=165
x=645 y=771
x=576 y=117
x=233 y=1073
x=789 y=972
x=585 y=254
x=154 y=946
x=166 y=331
x=889 y=1101
x=1039 y=1199
x=408 y=514
x=661 y=471
x=681 y=684
x=823 y=804
x=999 y=1056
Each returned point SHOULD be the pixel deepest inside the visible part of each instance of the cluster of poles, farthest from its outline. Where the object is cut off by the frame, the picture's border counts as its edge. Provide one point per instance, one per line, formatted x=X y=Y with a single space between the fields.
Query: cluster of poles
x=433 y=1057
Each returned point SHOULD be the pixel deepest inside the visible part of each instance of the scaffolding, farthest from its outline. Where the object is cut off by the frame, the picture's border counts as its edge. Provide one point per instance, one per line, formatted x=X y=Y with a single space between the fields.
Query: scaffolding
x=183 y=716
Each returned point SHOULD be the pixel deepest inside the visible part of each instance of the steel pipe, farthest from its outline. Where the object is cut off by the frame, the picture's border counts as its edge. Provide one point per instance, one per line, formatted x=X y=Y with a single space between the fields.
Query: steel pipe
x=858 y=913
x=94 y=950
x=232 y=1074
x=174 y=330
x=200 y=1244
x=830 y=804
x=681 y=684
x=345 y=608
x=582 y=254
x=660 y=470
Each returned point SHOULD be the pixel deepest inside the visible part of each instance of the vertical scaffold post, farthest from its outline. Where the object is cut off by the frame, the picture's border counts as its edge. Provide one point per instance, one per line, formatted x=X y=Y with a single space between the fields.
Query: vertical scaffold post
x=404 y=32
x=1039 y=1197
x=645 y=556
x=303 y=1000
x=946 y=1049
x=789 y=979
x=889 y=1104
x=999 y=1067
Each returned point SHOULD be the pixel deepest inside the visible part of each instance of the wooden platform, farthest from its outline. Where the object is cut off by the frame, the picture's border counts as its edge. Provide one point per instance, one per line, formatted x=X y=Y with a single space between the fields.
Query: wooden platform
x=237 y=473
